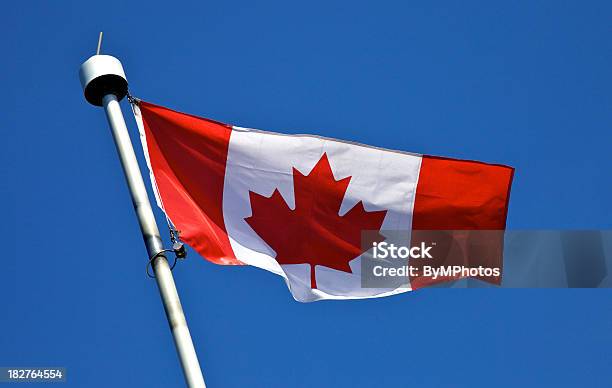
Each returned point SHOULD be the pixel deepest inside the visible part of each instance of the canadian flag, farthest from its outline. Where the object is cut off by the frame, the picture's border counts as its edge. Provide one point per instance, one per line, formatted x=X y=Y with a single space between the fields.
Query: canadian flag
x=297 y=205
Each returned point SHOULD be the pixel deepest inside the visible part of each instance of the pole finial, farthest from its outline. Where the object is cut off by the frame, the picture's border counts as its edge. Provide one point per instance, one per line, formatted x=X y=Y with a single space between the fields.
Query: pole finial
x=101 y=75
x=99 y=43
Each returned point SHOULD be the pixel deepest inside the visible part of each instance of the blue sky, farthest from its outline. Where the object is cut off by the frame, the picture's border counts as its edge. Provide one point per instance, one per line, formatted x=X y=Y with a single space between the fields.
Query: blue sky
x=522 y=83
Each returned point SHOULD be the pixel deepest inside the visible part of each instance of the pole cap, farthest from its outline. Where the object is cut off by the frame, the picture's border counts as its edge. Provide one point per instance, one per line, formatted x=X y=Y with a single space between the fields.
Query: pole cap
x=101 y=75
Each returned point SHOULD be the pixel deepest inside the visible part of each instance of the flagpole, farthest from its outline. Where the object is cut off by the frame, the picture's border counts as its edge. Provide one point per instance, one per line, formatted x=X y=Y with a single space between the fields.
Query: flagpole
x=104 y=84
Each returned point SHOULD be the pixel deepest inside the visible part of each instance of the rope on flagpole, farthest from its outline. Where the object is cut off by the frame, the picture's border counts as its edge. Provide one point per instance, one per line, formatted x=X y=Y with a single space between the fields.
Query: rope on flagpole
x=131 y=99
x=179 y=251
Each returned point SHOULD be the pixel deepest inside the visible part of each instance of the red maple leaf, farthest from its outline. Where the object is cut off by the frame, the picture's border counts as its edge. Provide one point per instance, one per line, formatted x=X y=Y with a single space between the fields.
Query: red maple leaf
x=313 y=233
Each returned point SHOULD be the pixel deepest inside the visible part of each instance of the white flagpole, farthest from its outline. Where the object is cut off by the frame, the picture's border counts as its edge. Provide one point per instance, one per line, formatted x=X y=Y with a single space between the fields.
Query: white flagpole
x=104 y=84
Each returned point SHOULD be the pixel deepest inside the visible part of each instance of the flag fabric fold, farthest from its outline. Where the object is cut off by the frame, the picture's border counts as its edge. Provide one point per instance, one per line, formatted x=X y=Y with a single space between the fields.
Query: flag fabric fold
x=296 y=205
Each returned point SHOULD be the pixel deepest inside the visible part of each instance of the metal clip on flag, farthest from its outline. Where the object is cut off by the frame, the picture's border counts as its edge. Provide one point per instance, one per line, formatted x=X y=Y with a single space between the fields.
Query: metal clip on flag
x=104 y=84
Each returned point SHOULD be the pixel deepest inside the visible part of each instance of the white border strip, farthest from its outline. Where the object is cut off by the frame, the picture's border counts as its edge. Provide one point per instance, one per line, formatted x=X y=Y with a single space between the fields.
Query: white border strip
x=145 y=150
